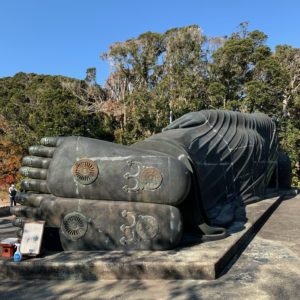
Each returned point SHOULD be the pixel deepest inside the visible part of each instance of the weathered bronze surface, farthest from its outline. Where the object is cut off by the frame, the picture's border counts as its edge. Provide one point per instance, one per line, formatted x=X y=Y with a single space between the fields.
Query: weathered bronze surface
x=197 y=175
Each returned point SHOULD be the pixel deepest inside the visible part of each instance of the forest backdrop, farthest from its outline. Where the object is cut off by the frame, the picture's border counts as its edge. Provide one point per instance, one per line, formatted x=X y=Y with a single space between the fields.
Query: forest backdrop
x=178 y=71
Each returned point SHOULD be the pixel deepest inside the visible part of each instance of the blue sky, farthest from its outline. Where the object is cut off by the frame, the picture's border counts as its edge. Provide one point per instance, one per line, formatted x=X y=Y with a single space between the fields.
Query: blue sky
x=65 y=37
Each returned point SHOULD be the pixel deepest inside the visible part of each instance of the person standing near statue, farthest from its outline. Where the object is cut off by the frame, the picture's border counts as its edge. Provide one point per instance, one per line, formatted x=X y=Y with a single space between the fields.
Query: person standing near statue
x=12 y=195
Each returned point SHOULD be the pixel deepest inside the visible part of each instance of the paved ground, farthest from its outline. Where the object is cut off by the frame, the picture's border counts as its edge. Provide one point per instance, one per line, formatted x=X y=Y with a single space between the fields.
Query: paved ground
x=6 y=229
x=268 y=269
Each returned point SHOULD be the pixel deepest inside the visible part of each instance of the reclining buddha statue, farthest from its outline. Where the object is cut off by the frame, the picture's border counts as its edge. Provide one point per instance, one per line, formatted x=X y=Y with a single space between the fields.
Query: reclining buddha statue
x=194 y=176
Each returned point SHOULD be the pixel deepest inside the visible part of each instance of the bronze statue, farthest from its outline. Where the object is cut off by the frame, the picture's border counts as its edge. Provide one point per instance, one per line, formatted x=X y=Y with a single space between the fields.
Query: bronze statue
x=195 y=176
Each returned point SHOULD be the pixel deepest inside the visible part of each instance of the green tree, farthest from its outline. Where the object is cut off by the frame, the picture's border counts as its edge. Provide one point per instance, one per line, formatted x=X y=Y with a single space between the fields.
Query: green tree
x=91 y=76
x=289 y=59
x=153 y=75
x=36 y=105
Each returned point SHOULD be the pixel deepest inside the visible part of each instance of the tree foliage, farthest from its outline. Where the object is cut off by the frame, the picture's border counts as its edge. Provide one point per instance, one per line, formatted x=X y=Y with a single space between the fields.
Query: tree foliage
x=153 y=75
x=10 y=157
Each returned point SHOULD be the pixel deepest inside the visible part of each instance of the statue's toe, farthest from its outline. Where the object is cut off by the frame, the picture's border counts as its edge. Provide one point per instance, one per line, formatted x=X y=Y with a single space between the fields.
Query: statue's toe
x=34 y=173
x=52 y=141
x=42 y=151
x=25 y=211
x=36 y=162
x=33 y=200
x=35 y=185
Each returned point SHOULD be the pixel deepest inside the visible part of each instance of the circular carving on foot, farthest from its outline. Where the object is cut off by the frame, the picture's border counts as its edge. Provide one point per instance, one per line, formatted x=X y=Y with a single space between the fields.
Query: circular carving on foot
x=85 y=171
x=147 y=227
x=150 y=178
x=74 y=226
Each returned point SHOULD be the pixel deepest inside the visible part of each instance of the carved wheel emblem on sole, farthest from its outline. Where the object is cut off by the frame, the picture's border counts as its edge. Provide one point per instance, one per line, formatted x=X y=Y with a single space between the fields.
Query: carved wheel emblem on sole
x=74 y=226
x=150 y=178
x=85 y=171
x=147 y=227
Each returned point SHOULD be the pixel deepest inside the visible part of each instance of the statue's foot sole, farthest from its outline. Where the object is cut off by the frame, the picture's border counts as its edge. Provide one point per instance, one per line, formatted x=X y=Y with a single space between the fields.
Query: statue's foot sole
x=113 y=225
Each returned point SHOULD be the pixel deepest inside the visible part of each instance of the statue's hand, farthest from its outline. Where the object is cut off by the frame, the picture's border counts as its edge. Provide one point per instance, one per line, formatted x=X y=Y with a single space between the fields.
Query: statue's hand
x=191 y=119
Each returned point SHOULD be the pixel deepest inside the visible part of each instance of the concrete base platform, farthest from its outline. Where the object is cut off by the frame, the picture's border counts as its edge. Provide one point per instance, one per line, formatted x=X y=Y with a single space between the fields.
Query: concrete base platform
x=198 y=261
